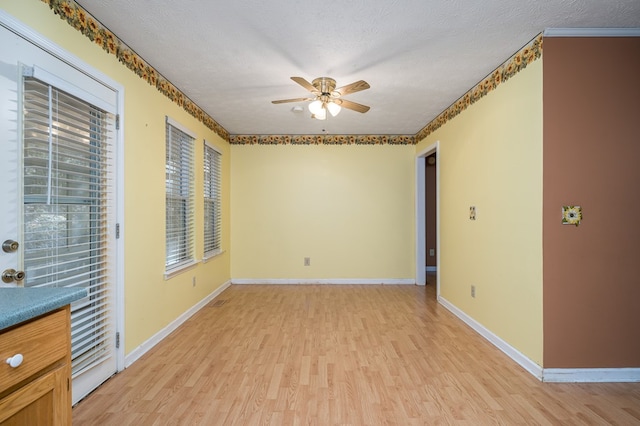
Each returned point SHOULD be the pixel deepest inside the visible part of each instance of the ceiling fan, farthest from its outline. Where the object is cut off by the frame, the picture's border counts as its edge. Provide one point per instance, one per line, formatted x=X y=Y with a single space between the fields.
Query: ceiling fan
x=327 y=97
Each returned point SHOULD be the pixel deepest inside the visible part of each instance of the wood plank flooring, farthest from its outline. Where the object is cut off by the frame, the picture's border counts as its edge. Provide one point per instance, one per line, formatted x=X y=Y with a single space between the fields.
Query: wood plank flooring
x=340 y=355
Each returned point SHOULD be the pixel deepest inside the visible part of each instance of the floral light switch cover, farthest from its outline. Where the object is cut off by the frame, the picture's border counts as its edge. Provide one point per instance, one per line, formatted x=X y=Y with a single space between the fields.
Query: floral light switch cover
x=571 y=215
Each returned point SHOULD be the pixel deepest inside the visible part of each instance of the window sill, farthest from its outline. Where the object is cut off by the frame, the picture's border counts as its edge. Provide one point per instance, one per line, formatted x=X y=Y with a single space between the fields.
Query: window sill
x=180 y=269
x=212 y=255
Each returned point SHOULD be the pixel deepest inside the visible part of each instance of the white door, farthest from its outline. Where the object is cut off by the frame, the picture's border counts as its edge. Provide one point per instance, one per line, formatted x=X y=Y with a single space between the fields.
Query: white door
x=57 y=177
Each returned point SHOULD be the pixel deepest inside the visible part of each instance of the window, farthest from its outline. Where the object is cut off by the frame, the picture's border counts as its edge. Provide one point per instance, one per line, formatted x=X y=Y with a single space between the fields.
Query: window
x=212 y=220
x=179 y=197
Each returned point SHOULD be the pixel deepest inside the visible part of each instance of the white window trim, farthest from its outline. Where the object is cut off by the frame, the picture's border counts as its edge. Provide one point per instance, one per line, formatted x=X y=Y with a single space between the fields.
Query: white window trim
x=217 y=252
x=188 y=263
x=180 y=127
x=213 y=254
x=177 y=270
x=213 y=147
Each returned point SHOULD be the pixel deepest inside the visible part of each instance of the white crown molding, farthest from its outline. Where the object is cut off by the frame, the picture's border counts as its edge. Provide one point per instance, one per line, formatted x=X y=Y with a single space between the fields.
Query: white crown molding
x=592 y=32
x=341 y=281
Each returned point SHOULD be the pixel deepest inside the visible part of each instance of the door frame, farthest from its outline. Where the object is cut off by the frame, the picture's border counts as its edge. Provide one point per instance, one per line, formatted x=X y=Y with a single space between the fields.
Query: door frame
x=421 y=227
x=58 y=52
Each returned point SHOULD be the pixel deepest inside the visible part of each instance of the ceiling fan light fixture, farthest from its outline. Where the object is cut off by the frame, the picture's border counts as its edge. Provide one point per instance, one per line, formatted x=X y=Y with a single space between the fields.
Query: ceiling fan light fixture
x=315 y=107
x=327 y=98
x=333 y=108
x=320 y=115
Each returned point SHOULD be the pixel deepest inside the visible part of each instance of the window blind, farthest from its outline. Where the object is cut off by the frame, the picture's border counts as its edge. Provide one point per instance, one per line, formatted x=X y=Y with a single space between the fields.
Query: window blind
x=179 y=197
x=68 y=189
x=212 y=199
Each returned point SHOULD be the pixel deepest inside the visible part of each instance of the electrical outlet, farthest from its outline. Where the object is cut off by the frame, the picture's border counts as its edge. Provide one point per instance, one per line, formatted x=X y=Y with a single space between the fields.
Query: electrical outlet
x=432 y=252
x=472 y=213
x=193 y=281
x=307 y=261
x=473 y=291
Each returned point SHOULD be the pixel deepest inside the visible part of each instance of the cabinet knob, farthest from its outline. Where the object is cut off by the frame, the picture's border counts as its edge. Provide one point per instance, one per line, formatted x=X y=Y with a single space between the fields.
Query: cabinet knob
x=15 y=360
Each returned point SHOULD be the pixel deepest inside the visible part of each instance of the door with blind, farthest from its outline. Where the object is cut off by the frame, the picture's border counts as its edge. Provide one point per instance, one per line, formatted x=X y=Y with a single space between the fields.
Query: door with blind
x=58 y=129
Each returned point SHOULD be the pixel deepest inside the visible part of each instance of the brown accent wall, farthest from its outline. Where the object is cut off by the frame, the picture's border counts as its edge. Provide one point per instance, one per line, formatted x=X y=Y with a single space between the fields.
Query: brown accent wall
x=430 y=210
x=592 y=159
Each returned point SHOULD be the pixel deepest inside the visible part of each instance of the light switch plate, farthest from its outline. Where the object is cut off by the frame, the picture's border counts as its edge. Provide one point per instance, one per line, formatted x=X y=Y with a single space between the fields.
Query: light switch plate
x=571 y=215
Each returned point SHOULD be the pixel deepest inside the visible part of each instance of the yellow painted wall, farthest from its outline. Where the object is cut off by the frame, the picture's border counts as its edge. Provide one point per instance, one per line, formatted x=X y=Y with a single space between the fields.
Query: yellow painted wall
x=349 y=208
x=151 y=303
x=490 y=156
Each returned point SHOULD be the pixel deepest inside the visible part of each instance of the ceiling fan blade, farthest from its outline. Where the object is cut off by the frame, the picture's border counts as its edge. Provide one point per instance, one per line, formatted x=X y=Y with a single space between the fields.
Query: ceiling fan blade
x=304 y=83
x=282 y=101
x=352 y=105
x=353 y=87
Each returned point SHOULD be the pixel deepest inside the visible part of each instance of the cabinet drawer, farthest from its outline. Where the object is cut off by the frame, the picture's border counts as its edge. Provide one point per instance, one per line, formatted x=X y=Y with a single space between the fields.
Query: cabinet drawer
x=41 y=342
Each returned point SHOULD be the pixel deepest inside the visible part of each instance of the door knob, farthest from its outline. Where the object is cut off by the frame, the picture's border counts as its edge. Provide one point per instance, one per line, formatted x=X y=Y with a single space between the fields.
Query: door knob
x=10 y=275
x=10 y=246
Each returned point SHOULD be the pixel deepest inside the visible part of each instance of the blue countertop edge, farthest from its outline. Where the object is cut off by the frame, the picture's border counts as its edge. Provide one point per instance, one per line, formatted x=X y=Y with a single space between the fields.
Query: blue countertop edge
x=22 y=304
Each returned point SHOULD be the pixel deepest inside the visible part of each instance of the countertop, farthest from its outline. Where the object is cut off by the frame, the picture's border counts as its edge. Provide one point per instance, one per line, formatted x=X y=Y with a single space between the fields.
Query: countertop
x=22 y=304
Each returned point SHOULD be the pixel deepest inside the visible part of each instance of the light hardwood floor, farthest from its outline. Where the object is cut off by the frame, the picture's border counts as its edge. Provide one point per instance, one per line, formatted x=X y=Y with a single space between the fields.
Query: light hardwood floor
x=347 y=355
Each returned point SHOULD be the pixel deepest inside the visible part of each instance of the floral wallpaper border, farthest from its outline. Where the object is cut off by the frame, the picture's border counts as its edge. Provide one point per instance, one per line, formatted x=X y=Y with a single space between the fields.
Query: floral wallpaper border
x=81 y=20
x=322 y=139
x=516 y=63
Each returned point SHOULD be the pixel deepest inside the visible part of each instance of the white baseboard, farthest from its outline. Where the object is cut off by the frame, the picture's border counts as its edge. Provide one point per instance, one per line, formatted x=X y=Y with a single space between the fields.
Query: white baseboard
x=135 y=354
x=378 y=281
x=509 y=350
x=552 y=375
x=591 y=375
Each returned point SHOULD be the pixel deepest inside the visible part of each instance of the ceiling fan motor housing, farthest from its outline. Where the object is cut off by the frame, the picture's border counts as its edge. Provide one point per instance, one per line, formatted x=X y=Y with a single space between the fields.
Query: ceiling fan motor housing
x=325 y=85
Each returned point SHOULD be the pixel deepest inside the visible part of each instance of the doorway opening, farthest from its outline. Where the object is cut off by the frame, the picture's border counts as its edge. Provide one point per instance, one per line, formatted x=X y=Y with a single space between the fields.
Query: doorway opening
x=63 y=190
x=425 y=208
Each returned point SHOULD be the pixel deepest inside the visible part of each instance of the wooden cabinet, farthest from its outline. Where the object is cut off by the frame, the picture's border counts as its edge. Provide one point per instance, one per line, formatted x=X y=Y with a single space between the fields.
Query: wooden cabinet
x=38 y=390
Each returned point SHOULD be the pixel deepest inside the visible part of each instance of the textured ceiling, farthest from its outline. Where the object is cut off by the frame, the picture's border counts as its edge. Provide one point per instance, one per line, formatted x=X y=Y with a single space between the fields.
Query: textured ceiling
x=233 y=58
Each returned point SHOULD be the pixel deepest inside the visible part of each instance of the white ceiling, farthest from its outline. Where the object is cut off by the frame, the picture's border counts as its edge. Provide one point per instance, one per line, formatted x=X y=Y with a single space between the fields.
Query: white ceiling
x=233 y=58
